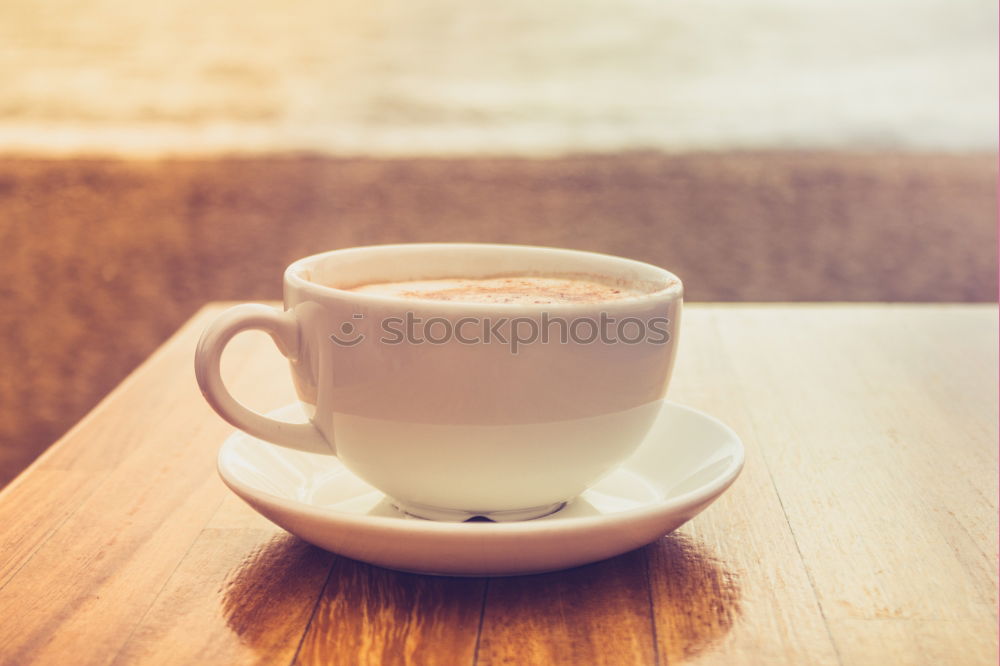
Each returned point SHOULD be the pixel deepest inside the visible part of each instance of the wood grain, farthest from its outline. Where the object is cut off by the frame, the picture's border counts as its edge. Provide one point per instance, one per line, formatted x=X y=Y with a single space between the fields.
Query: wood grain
x=596 y=614
x=267 y=599
x=896 y=467
x=877 y=426
x=903 y=641
x=369 y=615
x=741 y=544
x=695 y=598
x=117 y=540
x=862 y=531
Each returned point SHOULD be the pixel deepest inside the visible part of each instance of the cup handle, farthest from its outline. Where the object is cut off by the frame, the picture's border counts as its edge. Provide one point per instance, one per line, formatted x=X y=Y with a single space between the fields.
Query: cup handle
x=284 y=329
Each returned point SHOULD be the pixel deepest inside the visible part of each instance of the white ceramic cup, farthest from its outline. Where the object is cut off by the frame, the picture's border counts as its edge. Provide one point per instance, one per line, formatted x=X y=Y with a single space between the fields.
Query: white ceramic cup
x=441 y=405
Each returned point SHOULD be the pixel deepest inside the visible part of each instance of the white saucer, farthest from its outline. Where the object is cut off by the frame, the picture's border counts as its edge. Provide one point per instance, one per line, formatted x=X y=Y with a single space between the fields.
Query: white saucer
x=687 y=461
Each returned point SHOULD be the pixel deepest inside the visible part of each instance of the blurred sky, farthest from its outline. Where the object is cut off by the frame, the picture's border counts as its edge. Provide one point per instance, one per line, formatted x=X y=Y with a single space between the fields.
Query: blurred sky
x=519 y=76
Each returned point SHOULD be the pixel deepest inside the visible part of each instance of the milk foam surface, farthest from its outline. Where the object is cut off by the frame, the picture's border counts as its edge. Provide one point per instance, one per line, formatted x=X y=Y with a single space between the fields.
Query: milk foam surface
x=520 y=289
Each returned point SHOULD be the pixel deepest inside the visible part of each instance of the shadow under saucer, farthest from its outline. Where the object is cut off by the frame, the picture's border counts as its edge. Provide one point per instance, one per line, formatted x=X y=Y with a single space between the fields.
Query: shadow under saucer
x=669 y=600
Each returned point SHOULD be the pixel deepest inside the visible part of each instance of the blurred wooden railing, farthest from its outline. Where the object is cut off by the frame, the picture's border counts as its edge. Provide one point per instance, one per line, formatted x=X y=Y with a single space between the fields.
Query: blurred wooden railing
x=101 y=260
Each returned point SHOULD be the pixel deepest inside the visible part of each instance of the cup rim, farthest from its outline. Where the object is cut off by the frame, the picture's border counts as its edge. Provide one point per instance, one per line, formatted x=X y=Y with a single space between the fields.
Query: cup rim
x=673 y=290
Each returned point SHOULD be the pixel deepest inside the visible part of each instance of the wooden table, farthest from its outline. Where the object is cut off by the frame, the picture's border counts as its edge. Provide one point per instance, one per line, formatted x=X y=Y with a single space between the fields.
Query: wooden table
x=862 y=531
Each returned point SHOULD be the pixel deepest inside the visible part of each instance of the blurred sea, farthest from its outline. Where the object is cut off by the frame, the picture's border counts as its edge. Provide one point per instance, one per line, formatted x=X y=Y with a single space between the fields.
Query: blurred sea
x=515 y=77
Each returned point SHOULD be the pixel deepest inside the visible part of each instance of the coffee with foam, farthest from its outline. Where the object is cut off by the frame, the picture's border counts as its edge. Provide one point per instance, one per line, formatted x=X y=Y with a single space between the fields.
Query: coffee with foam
x=517 y=289
x=456 y=415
